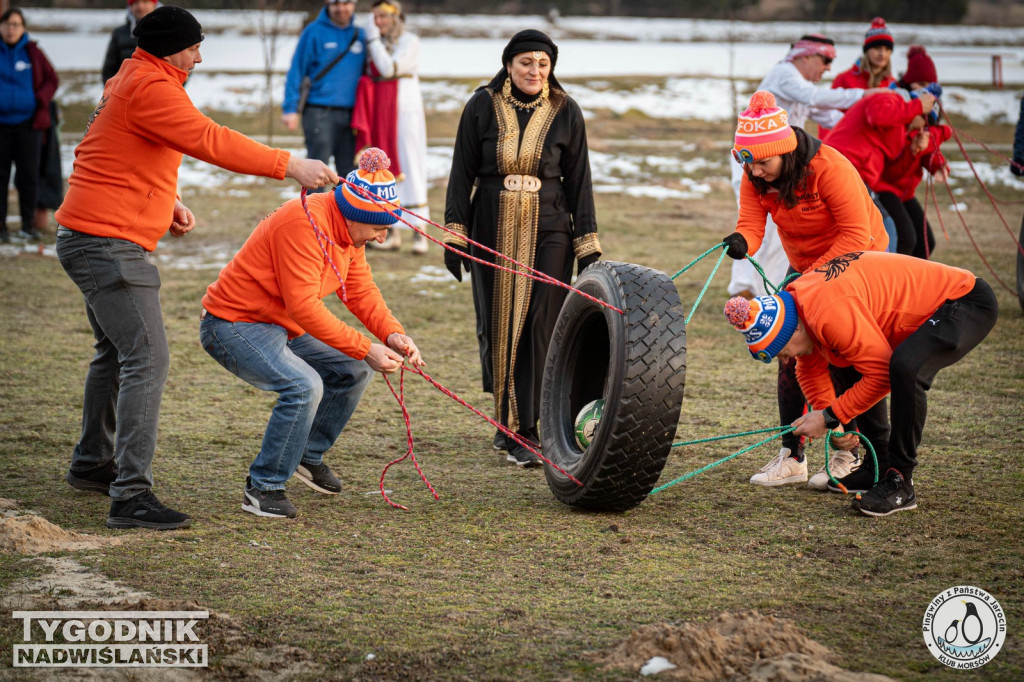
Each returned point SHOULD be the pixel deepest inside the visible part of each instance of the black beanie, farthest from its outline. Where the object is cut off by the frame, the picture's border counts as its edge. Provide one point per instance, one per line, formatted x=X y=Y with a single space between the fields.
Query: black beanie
x=168 y=30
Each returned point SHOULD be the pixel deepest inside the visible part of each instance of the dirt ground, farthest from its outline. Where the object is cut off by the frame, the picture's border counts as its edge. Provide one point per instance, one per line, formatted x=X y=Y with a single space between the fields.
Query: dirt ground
x=740 y=647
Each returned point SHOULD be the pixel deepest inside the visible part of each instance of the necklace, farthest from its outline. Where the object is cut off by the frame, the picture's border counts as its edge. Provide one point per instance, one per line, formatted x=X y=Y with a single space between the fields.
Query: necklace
x=506 y=92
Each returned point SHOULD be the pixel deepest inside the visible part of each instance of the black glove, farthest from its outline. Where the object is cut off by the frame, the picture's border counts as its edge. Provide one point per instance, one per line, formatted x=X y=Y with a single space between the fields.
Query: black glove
x=585 y=262
x=455 y=260
x=1017 y=167
x=737 y=244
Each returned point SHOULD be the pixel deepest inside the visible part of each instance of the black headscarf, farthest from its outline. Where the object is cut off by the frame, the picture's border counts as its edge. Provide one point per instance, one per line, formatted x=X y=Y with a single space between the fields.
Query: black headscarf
x=529 y=40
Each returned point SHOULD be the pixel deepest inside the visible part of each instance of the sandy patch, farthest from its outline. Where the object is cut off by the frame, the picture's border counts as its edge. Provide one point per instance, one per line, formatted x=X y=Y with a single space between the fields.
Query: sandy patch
x=31 y=534
x=743 y=646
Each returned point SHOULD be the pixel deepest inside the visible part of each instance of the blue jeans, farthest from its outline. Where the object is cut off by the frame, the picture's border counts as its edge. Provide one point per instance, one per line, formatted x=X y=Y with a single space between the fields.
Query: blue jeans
x=328 y=132
x=318 y=389
x=125 y=382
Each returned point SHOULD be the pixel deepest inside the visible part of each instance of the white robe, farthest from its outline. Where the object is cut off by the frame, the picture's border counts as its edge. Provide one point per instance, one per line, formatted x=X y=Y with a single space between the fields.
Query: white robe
x=412 y=126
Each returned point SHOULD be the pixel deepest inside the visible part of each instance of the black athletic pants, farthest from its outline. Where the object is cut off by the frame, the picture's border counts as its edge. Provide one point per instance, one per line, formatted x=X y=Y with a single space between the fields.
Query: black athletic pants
x=947 y=336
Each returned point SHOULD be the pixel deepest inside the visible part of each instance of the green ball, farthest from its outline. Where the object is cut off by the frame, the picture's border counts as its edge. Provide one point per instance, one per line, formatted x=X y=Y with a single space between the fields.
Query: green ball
x=586 y=422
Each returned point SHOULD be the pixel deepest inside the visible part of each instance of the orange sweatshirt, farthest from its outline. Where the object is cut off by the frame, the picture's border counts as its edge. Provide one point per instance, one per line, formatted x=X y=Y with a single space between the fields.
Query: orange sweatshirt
x=835 y=215
x=280 y=276
x=125 y=178
x=857 y=309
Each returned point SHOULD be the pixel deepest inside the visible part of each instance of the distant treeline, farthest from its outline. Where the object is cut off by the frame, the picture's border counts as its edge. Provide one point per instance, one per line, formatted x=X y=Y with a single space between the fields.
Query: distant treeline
x=912 y=11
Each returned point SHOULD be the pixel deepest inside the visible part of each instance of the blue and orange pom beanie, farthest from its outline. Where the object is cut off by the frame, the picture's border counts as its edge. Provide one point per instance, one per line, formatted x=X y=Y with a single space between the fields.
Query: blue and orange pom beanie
x=766 y=322
x=374 y=178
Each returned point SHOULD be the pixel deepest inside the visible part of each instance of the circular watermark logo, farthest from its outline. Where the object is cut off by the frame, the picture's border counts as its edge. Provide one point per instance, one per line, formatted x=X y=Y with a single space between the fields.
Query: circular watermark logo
x=964 y=627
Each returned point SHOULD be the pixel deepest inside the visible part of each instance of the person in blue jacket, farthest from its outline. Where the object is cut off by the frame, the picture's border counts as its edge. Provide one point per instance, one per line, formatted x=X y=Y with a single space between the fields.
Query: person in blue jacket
x=27 y=85
x=327 y=111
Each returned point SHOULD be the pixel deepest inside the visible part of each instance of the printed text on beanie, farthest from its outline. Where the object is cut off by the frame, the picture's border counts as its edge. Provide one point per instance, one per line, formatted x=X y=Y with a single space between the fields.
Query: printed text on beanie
x=763 y=130
x=766 y=322
x=373 y=177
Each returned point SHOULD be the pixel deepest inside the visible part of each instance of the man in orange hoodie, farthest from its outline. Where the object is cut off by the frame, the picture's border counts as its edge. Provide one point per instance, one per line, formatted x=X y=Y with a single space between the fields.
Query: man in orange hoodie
x=890 y=322
x=122 y=198
x=265 y=322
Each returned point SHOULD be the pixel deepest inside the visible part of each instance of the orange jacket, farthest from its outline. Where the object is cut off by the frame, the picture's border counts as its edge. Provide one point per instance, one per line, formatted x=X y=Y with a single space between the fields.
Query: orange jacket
x=280 y=276
x=125 y=179
x=857 y=309
x=835 y=215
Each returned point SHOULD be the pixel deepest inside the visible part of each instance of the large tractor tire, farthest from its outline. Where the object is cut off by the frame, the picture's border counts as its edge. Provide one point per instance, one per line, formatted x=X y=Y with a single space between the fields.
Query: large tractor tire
x=637 y=362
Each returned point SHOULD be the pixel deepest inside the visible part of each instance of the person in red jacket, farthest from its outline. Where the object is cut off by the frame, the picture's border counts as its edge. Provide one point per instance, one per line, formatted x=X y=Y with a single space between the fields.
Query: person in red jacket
x=874 y=68
x=871 y=70
x=822 y=210
x=890 y=320
x=264 y=321
x=122 y=198
x=882 y=135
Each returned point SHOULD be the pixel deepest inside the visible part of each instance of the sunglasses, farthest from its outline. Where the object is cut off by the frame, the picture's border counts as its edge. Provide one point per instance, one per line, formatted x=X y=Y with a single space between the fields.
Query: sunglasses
x=827 y=60
x=742 y=156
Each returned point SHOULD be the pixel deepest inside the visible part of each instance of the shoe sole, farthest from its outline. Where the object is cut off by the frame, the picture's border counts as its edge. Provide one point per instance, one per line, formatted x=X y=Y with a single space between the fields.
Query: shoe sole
x=252 y=509
x=781 y=481
x=523 y=465
x=891 y=511
x=121 y=522
x=309 y=481
x=87 y=486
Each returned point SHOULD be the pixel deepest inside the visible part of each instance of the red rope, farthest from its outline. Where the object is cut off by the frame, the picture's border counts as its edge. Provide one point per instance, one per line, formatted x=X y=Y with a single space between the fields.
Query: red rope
x=970 y=236
x=991 y=198
x=996 y=152
x=324 y=240
x=528 y=444
x=400 y=397
x=526 y=270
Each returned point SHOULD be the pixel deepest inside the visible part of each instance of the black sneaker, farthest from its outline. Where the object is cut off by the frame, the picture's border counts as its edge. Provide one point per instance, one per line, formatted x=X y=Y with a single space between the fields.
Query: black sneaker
x=319 y=477
x=95 y=480
x=860 y=480
x=31 y=235
x=271 y=503
x=145 y=511
x=521 y=457
x=892 y=494
x=500 y=441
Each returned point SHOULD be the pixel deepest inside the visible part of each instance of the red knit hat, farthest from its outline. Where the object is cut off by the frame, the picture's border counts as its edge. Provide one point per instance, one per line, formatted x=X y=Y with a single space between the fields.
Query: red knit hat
x=920 y=67
x=878 y=35
x=763 y=130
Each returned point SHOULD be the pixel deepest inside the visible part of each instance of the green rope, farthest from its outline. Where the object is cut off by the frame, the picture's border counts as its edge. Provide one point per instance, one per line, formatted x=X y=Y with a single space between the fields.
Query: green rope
x=698 y=259
x=731 y=435
x=783 y=430
x=871 y=449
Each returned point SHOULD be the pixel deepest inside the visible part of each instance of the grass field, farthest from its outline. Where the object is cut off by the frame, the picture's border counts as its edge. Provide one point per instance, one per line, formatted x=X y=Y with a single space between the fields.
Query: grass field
x=497 y=580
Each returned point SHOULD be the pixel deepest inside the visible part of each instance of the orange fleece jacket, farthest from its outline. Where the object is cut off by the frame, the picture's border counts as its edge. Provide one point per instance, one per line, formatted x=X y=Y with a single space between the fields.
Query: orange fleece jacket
x=125 y=179
x=858 y=308
x=833 y=216
x=280 y=276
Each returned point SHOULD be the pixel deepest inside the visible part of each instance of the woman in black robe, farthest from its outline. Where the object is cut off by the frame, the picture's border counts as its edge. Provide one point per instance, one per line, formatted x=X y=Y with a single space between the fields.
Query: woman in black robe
x=522 y=145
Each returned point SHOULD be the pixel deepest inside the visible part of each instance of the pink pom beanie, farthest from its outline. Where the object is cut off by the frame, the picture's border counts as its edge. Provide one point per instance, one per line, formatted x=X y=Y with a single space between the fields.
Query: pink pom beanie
x=763 y=130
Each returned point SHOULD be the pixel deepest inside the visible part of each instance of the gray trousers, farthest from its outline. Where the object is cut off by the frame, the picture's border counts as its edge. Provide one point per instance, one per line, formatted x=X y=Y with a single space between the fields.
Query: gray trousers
x=125 y=381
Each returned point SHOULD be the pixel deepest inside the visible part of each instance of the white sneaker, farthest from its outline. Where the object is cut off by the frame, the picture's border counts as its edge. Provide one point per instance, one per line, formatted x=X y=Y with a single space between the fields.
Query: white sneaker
x=419 y=243
x=842 y=462
x=781 y=470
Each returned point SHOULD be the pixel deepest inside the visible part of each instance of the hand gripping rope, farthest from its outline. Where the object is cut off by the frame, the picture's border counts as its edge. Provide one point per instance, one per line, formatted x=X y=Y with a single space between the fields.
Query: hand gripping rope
x=324 y=241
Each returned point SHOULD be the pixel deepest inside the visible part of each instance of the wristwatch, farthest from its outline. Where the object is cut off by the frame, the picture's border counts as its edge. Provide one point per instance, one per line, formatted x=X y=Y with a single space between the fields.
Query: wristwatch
x=831 y=421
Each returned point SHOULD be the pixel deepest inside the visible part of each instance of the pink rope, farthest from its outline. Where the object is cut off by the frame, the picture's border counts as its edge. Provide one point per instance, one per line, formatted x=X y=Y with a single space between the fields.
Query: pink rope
x=323 y=240
x=526 y=270
x=400 y=397
x=991 y=198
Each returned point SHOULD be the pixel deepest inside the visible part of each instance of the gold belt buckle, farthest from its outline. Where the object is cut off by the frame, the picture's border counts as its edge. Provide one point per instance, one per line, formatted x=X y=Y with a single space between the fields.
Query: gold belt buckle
x=522 y=183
